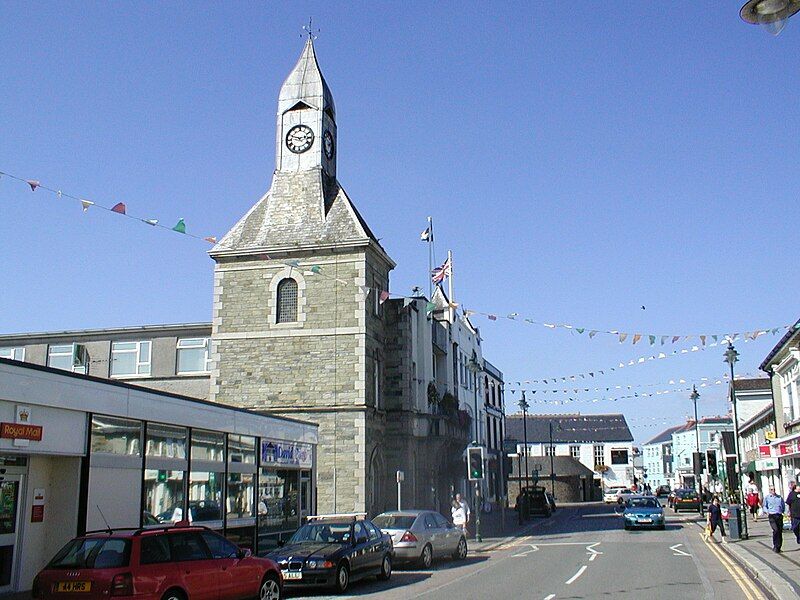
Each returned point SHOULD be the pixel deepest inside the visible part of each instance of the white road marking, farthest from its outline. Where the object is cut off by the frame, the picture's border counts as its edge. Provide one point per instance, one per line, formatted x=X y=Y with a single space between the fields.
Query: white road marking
x=592 y=557
x=578 y=574
x=677 y=552
x=533 y=548
x=591 y=551
x=550 y=597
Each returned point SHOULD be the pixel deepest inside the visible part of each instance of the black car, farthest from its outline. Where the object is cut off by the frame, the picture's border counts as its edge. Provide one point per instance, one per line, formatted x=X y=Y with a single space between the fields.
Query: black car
x=334 y=550
x=533 y=501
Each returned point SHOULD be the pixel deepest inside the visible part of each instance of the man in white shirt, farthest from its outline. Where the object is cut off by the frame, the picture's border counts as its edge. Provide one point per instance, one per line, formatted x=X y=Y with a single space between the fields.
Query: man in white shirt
x=461 y=513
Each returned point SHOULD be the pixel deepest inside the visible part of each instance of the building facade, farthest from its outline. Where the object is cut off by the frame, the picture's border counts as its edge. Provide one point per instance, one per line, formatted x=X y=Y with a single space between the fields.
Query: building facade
x=688 y=439
x=657 y=459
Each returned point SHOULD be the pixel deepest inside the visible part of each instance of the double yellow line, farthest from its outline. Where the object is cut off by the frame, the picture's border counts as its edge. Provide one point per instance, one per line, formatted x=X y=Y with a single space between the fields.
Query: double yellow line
x=749 y=588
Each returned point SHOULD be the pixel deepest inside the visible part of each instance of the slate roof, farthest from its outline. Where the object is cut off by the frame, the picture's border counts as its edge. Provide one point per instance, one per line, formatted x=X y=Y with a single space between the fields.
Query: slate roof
x=791 y=332
x=570 y=428
x=752 y=383
x=562 y=466
x=664 y=436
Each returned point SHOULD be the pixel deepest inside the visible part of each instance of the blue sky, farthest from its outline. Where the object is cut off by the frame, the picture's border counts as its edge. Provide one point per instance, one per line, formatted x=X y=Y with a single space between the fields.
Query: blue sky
x=579 y=164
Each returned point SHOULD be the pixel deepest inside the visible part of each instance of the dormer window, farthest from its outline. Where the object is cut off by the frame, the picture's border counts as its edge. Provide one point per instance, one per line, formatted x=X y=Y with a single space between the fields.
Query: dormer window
x=287 y=301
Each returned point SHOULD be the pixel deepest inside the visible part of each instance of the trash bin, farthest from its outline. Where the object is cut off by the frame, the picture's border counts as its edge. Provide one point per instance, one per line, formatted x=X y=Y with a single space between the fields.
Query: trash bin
x=735 y=522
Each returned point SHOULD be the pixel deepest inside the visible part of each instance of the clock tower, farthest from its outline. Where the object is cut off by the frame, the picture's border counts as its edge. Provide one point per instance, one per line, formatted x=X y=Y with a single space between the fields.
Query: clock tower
x=297 y=329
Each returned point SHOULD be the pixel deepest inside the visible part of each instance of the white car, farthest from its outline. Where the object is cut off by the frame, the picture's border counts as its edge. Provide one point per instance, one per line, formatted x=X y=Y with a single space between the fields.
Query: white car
x=612 y=494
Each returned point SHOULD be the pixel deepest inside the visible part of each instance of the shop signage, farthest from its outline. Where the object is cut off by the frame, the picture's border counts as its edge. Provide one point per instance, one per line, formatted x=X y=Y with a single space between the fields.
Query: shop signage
x=18 y=431
x=788 y=448
x=285 y=453
x=37 y=509
x=767 y=464
x=770 y=435
x=764 y=451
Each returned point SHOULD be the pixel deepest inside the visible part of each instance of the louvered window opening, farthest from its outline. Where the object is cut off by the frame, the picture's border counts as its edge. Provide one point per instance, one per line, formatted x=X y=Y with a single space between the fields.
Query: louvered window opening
x=287 y=301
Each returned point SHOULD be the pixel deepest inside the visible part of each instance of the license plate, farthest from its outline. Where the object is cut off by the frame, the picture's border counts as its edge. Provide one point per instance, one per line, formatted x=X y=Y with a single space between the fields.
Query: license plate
x=645 y=520
x=292 y=575
x=74 y=586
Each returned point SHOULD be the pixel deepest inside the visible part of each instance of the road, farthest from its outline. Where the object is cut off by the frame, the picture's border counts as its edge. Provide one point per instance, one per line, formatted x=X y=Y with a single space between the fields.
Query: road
x=581 y=552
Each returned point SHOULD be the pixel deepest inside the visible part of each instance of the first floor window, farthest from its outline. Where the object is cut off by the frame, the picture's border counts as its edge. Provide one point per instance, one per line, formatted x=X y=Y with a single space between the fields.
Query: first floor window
x=549 y=450
x=575 y=451
x=69 y=357
x=194 y=355
x=599 y=455
x=619 y=457
x=130 y=358
x=13 y=353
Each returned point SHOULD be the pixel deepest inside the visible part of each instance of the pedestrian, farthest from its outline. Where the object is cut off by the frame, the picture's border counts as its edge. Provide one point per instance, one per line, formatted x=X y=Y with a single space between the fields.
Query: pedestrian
x=753 y=503
x=715 y=520
x=774 y=506
x=461 y=513
x=793 y=500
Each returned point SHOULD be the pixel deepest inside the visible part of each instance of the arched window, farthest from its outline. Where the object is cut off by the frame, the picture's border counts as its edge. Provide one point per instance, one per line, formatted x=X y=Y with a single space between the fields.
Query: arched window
x=287 y=301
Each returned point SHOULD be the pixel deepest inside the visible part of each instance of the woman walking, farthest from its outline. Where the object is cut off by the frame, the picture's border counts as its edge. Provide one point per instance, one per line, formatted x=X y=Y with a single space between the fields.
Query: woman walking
x=715 y=519
x=753 y=503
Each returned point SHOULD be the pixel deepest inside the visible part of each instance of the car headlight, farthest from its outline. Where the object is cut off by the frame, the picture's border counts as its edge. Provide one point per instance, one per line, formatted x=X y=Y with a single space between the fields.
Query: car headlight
x=311 y=564
x=318 y=563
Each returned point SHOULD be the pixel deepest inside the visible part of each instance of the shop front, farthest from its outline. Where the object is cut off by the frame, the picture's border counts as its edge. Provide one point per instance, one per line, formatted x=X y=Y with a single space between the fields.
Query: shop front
x=80 y=454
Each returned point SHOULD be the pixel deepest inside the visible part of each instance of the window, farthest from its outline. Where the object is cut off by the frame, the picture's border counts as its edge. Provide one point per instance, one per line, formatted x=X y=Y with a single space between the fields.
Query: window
x=219 y=546
x=278 y=500
x=599 y=455
x=130 y=359
x=374 y=532
x=241 y=490
x=361 y=533
x=205 y=496
x=241 y=449
x=154 y=550
x=208 y=445
x=287 y=301
x=112 y=435
x=166 y=441
x=619 y=457
x=69 y=357
x=187 y=546
x=549 y=450
x=163 y=495
x=193 y=355
x=575 y=451
x=13 y=353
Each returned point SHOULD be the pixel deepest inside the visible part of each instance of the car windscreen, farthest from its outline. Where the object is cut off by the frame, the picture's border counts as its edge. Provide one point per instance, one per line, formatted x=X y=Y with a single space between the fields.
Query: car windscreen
x=687 y=495
x=93 y=553
x=643 y=503
x=332 y=533
x=394 y=521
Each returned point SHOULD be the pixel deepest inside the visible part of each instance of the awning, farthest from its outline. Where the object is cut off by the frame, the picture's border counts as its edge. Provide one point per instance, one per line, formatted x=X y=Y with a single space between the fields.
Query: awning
x=750 y=467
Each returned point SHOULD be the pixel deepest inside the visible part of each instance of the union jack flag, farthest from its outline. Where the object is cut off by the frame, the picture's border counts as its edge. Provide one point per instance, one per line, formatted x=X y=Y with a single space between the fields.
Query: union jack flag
x=439 y=274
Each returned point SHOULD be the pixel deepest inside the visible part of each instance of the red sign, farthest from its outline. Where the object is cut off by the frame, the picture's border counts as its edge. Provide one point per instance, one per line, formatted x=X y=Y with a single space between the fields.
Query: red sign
x=787 y=448
x=763 y=451
x=37 y=513
x=15 y=431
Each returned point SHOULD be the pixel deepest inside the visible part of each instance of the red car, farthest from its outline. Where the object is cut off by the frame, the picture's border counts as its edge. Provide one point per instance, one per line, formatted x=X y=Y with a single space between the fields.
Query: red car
x=169 y=563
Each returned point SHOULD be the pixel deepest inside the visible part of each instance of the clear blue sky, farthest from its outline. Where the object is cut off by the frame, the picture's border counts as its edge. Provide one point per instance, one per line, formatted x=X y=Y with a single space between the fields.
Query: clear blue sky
x=579 y=164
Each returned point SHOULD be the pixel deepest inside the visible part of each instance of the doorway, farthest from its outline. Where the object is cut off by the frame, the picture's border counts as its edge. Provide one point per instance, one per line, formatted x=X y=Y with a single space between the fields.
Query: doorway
x=10 y=501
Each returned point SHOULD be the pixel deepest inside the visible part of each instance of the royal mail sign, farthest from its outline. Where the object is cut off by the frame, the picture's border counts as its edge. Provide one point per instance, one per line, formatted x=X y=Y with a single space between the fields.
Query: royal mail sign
x=19 y=431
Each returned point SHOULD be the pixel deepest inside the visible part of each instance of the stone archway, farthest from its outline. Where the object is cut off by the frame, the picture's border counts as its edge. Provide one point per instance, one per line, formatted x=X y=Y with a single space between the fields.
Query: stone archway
x=375 y=485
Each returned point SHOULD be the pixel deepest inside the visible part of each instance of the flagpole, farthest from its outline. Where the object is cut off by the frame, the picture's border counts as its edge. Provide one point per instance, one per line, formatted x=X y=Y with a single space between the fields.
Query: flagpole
x=450 y=286
x=430 y=258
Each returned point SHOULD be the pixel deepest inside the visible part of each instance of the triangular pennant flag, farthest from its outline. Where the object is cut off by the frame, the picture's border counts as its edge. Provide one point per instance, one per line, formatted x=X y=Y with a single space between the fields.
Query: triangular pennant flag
x=622 y=337
x=383 y=297
x=592 y=334
x=211 y=239
x=492 y=317
x=664 y=339
x=180 y=226
x=513 y=315
x=119 y=207
x=151 y=221
x=636 y=338
x=364 y=290
x=315 y=268
x=430 y=307
x=774 y=331
x=703 y=340
x=85 y=204
x=652 y=339
x=715 y=338
x=675 y=338
x=580 y=329
x=33 y=183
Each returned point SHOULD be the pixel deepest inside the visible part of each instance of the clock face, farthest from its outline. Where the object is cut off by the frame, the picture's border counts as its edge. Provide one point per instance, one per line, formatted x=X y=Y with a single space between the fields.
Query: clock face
x=328 y=139
x=299 y=139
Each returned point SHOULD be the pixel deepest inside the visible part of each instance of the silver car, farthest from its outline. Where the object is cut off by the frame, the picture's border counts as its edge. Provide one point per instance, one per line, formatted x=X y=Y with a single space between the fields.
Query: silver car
x=421 y=535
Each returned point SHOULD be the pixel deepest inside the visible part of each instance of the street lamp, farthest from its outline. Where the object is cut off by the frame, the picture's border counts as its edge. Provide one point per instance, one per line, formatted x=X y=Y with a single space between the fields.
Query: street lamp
x=694 y=397
x=772 y=14
x=731 y=357
x=552 y=471
x=474 y=367
x=523 y=404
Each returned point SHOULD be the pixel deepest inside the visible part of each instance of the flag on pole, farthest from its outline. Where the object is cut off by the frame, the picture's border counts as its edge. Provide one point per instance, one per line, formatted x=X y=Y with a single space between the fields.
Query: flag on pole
x=383 y=297
x=439 y=274
x=426 y=235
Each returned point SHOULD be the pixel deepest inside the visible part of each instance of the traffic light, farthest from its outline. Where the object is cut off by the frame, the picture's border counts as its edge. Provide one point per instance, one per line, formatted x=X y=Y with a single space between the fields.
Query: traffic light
x=475 y=463
x=711 y=461
x=698 y=462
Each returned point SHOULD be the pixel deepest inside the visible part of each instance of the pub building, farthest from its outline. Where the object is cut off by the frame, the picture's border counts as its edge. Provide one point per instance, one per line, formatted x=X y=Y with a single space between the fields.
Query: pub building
x=80 y=453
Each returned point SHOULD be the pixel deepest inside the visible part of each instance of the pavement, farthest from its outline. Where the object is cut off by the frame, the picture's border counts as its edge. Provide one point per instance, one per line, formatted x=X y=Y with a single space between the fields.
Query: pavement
x=581 y=552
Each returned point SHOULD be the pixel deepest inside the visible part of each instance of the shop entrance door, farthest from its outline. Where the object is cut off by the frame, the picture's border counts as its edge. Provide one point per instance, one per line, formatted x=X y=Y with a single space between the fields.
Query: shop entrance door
x=10 y=498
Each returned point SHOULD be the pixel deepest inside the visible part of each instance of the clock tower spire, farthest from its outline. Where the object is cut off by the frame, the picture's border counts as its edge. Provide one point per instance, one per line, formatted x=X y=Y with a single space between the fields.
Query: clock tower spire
x=306 y=128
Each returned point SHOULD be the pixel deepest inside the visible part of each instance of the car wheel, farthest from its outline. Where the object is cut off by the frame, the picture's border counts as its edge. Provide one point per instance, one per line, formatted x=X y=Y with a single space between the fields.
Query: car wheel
x=662 y=527
x=627 y=528
x=342 y=578
x=386 y=568
x=426 y=558
x=173 y=595
x=676 y=510
x=270 y=589
x=461 y=550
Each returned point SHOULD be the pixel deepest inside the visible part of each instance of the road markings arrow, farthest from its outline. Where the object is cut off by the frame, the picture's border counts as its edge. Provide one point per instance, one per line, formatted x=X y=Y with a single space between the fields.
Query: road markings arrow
x=677 y=552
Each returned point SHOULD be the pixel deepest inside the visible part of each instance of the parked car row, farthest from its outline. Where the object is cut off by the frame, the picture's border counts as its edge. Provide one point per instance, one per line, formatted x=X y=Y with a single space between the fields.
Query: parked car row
x=327 y=551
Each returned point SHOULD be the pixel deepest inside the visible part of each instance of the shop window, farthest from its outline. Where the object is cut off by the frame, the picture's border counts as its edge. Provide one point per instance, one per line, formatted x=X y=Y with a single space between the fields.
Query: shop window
x=130 y=359
x=241 y=489
x=278 y=500
x=241 y=449
x=194 y=355
x=305 y=493
x=208 y=445
x=13 y=353
x=619 y=457
x=166 y=441
x=205 y=496
x=163 y=496
x=113 y=435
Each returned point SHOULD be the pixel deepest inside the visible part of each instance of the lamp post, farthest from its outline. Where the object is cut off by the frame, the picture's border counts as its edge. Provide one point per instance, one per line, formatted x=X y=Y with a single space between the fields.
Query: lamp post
x=731 y=357
x=523 y=404
x=695 y=395
x=474 y=368
x=552 y=470
x=772 y=14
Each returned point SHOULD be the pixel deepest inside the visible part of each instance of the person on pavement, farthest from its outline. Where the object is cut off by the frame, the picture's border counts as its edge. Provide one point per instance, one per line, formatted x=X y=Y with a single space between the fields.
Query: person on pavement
x=774 y=506
x=753 y=502
x=715 y=519
x=793 y=500
x=460 y=512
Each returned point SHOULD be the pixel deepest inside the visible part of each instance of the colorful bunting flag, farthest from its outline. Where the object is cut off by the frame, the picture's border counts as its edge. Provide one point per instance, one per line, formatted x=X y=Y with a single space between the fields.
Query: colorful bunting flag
x=430 y=307
x=636 y=338
x=33 y=183
x=85 y=204
x=383 y=297
x=180 y=226
x=492 y=317
x=119 y=207
x=153 y=222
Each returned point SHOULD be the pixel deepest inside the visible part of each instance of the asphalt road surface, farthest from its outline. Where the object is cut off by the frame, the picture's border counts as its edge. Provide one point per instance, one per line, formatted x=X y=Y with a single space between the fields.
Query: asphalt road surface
x=580 y=552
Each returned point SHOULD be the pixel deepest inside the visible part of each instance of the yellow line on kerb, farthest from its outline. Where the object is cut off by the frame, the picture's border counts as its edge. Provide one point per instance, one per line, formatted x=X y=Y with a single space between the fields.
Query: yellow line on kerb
x=739 y=576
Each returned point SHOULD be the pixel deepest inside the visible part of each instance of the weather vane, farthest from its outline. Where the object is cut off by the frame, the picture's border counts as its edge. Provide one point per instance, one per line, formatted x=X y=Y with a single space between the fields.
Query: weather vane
x=309 y=30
